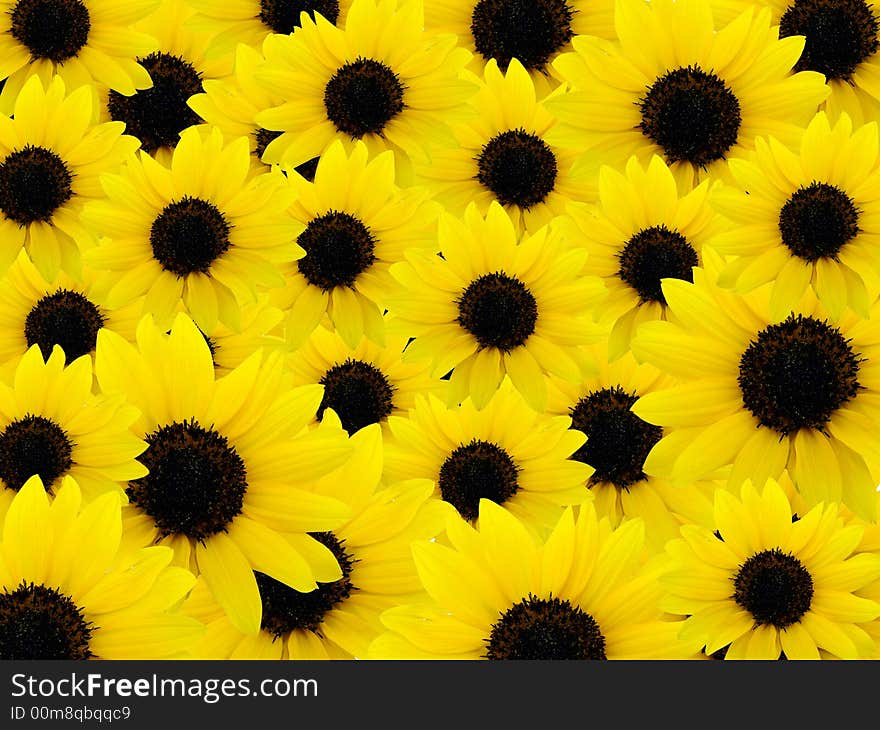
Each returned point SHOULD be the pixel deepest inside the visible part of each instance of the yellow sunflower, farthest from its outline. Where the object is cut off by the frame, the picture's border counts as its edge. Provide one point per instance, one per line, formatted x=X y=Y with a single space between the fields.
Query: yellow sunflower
x=339 y=619
x=768 y=583
x=85 y=42
x=357 y=223
x=53 y=426
x=496 y=303
x=679 y=86
x=806 y=219
x=230 y=465
x=68 y=592
x=380 y=79
x=51 y=156
x=506 y=452
x=205 y=230
x=499 y=594
x=363 y=384
x=502 y=156
x=763 y=394
x=871 y=544
x=645 y=228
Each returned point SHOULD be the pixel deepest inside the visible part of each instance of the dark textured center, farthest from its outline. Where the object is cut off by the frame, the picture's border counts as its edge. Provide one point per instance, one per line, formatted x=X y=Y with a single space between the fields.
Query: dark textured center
x=797 y=373
x=338 y=247
x=840 y=35
x=518 y=167
x=52 y=29
x=282 y=16
x=654 y=254
x=475 y=471
x=362 y=97
x=196 y=484
x=64 y=318
x=286 y=609
x=817 y=221
x=34 y=183
x=692 y=115
x=37 y=622
x=774 y=587
x=531 y=31
x=358 y=392
x=618 y=441
x=498 y=310
x=33 y=445
x=188 y=235
x=545 y=628
x=157 y=116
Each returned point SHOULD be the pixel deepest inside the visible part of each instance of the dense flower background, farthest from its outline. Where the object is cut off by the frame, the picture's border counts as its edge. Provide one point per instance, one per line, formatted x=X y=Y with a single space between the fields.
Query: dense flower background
x=442 y=329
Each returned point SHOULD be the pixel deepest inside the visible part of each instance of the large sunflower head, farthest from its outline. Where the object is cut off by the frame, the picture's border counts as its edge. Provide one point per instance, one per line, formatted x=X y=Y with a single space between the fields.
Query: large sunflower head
x=205 y=230
x=497 y=302
x=768 y=583
x=677 y=86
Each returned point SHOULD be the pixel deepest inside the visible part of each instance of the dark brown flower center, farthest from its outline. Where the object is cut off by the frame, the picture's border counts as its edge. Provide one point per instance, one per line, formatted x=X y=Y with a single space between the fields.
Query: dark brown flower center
x=188 y=236
x=518 y=167
x=283 y=16
x=774 y=587
x=362 y=97
x=817 y=221
x=64 y=318
x=654 y=254
x=338 y=248
x=34 y=445
x=55 y=30
x=498 y=310
x=474 y=471
x=34 y=183
x=358 y=392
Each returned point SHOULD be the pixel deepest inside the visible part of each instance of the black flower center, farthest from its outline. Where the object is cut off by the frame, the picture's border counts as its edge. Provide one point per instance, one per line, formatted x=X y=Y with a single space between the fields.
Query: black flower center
x=692 y=115
x=362 y=97
x=286 y=609
x=282 y=16
x=65 y=318
x=157 y=116
x=797 y=373
x=518 y=167
x=358 y=392
x=840 y=34
x=37 y=622
x=475 y=471
x=263 y=138
x=52 y=29
x=338 y=247
x=531 y=31
x=654 y=254
x=817 y=221
x=34 y=183
x=188 y=235
x=545 y=628
x=33 y=445
x=774 y=587
x=196 y=484
x=498 y=310
x=618 y=441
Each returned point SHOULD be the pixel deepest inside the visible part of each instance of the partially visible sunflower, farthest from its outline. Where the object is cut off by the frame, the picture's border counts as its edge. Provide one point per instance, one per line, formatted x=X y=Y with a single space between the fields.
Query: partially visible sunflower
x=69 y=592
x=768 y=583
x=506 y=452
x=502 y=155
x=499 y=594
x=806 y=219
x=497 y=303
x=205 y=230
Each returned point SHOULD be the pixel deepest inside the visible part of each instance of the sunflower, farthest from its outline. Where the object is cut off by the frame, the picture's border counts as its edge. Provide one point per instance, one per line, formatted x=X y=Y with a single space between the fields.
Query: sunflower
x=871 y=544
x=617 y=443
x=364 y=384
x=764 y=394
x=496 y=302
x=768 y=583
x=52 y=425
x=85 y=42
x=674 y=86
x=506 y=453
x=68 y=592
x=51 y=155
x=646 y=228
x=502 y=156
x=379 y=79
x=230 y=465
x=498 y=594
x=807 y=218
x=339 y=619
x=205 y=230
